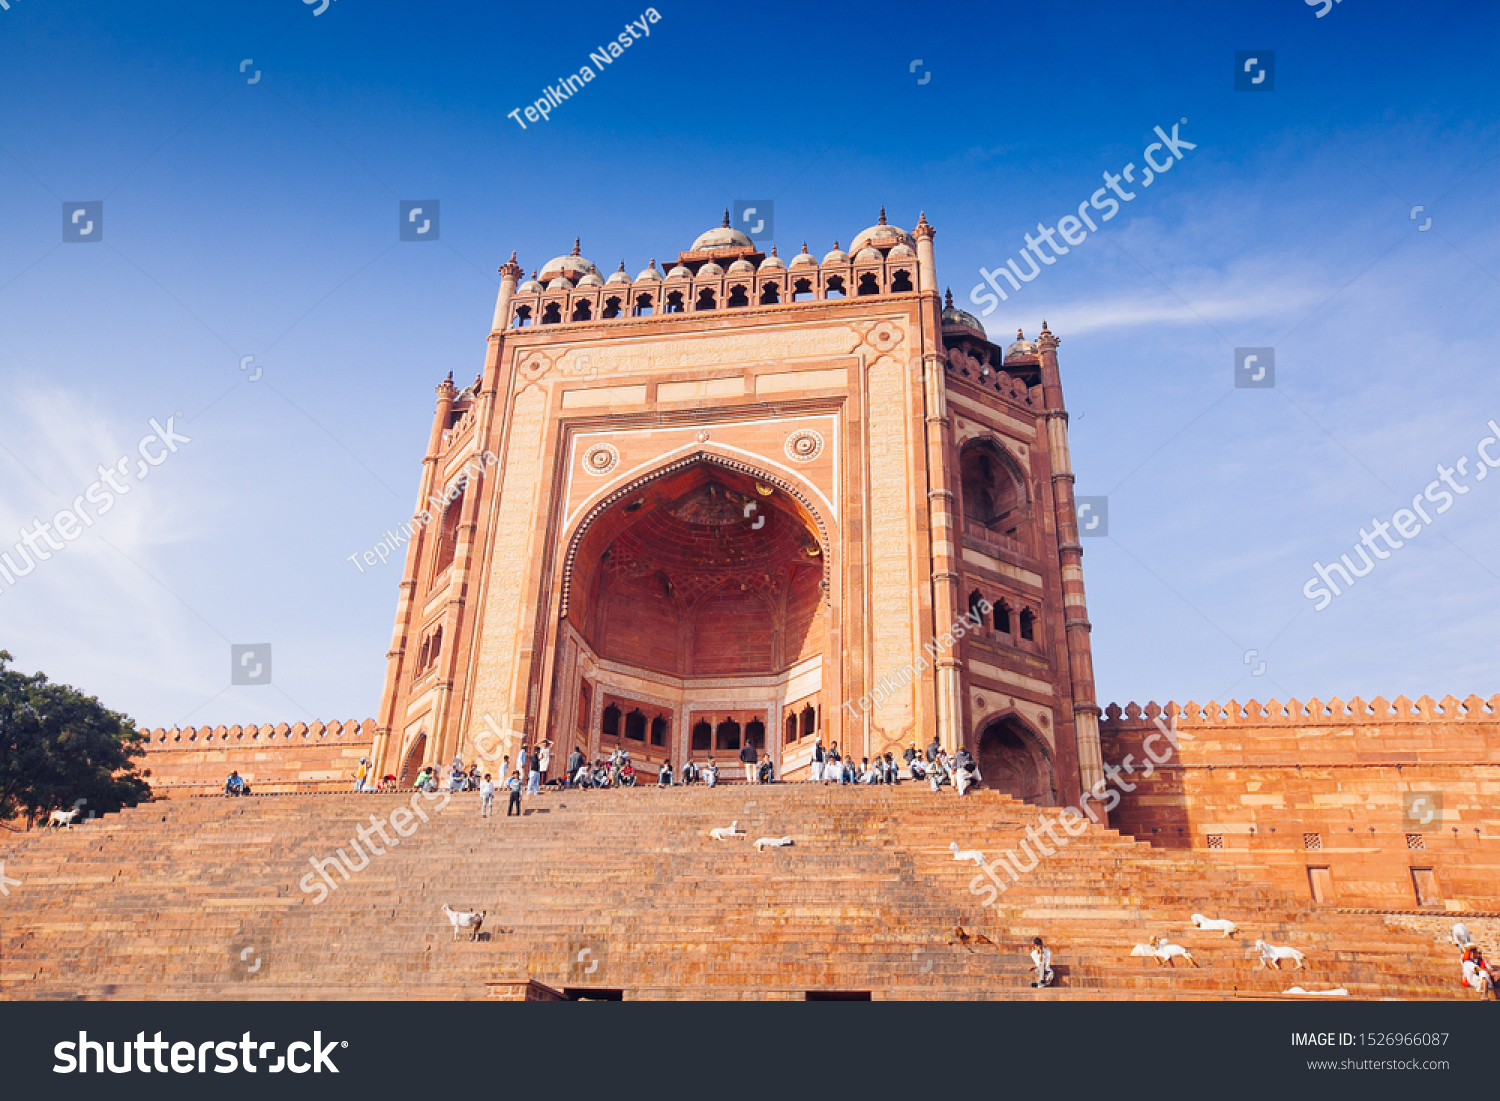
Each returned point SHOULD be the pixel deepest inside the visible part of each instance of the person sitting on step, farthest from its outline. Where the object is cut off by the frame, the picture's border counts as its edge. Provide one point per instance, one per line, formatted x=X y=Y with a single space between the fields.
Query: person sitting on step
x=236 y=785
x=664 y=775
x=767 y=772
x=1041 y=962
x=689 y=772
x=710 y=773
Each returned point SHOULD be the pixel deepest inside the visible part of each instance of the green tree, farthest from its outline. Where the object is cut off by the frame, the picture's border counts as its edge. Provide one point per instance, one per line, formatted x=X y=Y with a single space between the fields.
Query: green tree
x=58 y=746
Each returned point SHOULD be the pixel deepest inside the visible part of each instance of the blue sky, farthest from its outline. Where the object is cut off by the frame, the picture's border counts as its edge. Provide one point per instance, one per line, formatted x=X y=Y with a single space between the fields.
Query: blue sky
x=259 y=220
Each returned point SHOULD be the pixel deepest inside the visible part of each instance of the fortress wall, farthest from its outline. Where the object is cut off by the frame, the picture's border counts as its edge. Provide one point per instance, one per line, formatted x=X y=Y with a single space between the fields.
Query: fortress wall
x=1255 y=779
x=280 y=758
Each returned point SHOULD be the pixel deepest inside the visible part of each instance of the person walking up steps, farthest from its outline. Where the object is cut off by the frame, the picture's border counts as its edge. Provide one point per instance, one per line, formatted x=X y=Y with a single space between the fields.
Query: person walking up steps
x=514 y=783
x=486 y=796
x=534 y=761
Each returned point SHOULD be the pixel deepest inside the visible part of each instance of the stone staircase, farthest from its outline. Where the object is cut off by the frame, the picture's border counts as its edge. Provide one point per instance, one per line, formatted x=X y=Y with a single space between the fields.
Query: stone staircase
x=624 y=891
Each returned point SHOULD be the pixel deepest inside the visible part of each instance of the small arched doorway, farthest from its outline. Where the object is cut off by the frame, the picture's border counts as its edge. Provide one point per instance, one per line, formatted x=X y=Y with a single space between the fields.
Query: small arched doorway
x=411 y=764
x=1012 y=759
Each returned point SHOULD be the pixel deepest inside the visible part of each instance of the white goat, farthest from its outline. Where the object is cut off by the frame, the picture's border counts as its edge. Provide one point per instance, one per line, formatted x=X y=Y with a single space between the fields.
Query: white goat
x=1223 y=925
x=775 y=842
x=1337 y=992
x=465 y=920
x=1165 y=953
x=1271 y=956
x=966 y=854
x=62 y=818
x=723 y=834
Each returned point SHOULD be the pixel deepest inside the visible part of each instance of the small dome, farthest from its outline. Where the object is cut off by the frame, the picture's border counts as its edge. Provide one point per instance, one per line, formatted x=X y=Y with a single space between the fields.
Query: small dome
x=804 y=258
x=531 y=286
x=618 y=276
x=571 y=266
x=710 y=270
x=722 y=237
x=590 y=280
x=901 y=252
x=868 y=255
x=836 y=256
x=883 y=236
x=740 y=267
x=559 y=284
x=773 y=262
x=1022 y=346
x=955 y=318
x=650 y=274
x=680 y=272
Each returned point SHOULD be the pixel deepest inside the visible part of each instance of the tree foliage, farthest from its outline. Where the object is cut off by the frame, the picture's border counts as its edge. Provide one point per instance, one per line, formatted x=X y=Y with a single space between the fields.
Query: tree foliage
x=58 y=746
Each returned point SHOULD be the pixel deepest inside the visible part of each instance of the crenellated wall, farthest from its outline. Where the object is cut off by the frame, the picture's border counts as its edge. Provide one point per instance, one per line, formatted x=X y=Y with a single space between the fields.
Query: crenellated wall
x=280 y=758
x=1379 y=794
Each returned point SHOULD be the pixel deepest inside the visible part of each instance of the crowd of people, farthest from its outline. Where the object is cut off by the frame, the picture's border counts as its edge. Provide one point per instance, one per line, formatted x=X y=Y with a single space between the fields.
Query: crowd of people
x=935 y=765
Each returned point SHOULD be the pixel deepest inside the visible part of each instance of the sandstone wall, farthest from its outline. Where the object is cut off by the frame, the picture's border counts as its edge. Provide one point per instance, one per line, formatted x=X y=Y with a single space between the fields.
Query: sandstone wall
x=1377 y=793
x=280 y=758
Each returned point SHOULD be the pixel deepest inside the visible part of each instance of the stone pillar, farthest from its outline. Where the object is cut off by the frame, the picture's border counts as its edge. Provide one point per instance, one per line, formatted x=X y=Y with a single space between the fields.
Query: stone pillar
x=510 y=276
x=1070 y=555
x=390 y=719
x=940 y=518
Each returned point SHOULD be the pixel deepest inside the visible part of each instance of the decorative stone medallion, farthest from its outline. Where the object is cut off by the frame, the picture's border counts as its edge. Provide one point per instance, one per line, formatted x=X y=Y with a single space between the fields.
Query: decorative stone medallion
x=804 y=445
x=601 y=459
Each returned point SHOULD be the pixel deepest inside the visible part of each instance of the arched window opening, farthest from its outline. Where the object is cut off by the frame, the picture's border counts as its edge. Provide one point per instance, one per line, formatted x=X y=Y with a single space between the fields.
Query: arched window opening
x=422 y=652
x=552 y=315
x=448 y=533
x=834 y=288
x=1002 y=617
x=791 y=728
x=674 y=302
x=659 y=730
x=437 y=647
x=642 y=305
x=610 y=727
x=522 y=318
x=738 y=296
x=728 y=735
x=770 y=294
x=993 y=495
x=809 y=721
x=706 y=300
x=703 y=736
x=1028 y=624
x=755 y=734
x=974 y=601
x=868 y=284
x=901 y=282
x=802 y=290
x=611 y=309
x=582 y=311
x=635 y=726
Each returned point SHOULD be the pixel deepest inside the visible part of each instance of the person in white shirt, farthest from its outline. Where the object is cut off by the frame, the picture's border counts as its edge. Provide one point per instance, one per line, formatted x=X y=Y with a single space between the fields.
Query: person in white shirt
x=710 y=773
x=1041 y=962
x=486 y=796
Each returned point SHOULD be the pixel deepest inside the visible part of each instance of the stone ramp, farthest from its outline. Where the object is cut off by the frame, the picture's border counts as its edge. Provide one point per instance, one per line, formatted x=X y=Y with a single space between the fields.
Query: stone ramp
x=625 y=890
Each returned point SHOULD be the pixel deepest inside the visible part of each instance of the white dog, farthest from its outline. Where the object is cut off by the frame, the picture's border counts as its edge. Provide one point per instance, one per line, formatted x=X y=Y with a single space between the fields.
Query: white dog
x=722 y=834
x=776 y=842
x=1271 y=956
x=1460 y=934
x=1337 y=992
x=62 y=818
x=1223 y=925
x=967 y=854
x=465 y=920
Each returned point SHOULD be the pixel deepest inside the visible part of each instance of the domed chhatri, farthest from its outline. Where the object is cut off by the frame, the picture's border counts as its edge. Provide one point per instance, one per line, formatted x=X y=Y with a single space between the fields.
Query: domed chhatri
x=955 y=318
x=837 y=256
x=804 y=258
x=722 y=237
x=1021 y=347
x=619 y=276
x=772 y=262
x=572 y=267
x=882 y=236
x=650 y=275
x=531 y=286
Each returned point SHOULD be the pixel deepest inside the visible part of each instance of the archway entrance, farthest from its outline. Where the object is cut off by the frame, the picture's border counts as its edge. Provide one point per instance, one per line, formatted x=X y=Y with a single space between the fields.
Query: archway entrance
x=411 y=764
x=1014 y=760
